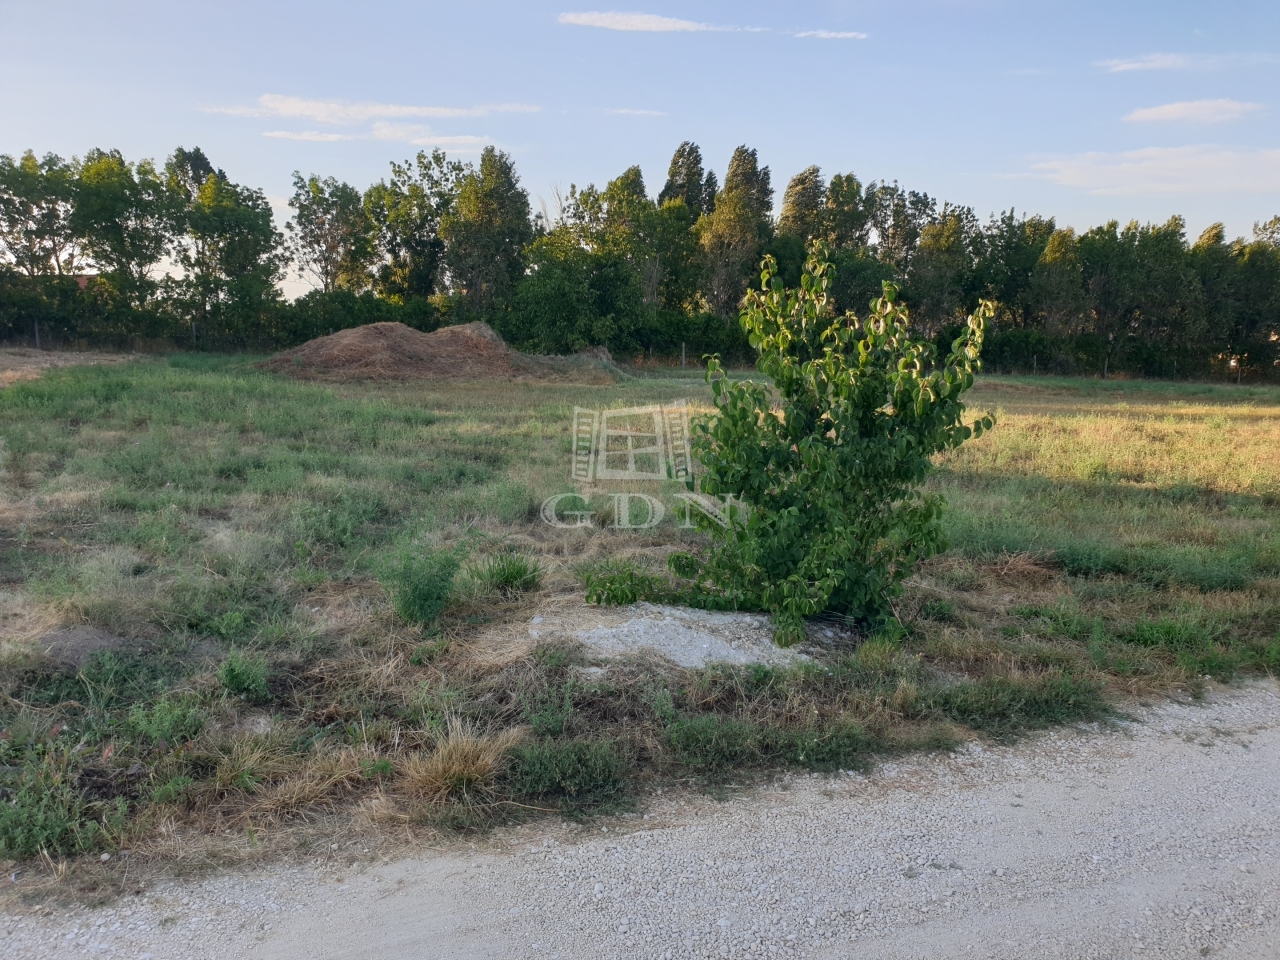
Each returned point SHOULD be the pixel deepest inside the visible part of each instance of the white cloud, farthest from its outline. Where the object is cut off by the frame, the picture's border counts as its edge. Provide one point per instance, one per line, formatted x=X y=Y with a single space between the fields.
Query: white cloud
x=1162 y=170
x=1151 y=61
x=645 y=23
x=1195 y=111
x=623 y=111
x=314 y=136
x=632 y=22
x=833 y=35
x=420 y=135
x=342 y=114
x=1182 y=61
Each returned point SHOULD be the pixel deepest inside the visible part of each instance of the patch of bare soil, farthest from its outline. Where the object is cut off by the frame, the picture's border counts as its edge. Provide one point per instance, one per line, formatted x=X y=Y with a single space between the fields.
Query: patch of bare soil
x=73 y=645
x=24 y=363
x=395 y=352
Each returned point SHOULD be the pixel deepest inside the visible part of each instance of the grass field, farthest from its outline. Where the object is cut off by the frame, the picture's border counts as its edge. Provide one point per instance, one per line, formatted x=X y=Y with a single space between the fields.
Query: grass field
x=241 y=577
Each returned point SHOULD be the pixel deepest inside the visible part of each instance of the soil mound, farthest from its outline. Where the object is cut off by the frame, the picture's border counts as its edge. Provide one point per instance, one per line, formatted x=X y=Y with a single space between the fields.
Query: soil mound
x=392 y=351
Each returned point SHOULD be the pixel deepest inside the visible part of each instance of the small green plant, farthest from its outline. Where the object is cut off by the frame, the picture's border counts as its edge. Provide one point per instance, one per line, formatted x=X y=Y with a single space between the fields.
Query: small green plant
x=170 y=720
x=244 y=676
x=577 y=773
x=621 y=582
x=422 y=584
x=830 y=462
x=509 y=574
x=379 y=769
x=548 y=713
x=171 y=791
x=45 y=811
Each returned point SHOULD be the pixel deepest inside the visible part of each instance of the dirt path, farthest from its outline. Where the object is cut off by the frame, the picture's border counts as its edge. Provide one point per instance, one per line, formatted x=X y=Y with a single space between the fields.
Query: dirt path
x=1160 y=840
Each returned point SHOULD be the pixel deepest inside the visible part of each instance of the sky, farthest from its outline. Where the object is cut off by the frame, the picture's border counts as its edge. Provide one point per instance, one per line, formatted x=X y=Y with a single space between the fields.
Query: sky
x=1084 y=111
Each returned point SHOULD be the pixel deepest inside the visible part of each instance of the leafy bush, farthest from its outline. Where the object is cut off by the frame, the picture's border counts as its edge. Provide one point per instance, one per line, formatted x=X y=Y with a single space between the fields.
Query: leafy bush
x=244 y=676
x=422 y=584
x=834 y=517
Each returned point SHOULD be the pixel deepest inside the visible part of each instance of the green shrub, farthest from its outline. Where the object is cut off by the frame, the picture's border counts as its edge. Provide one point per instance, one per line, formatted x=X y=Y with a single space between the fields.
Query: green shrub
x=44 y=811
x=621 y=582
x=712 y=744
x=422 y=584
x=548 y=713
x=245 y=676
x=576 y=774
x=1004 y=705
x=829 y=462
x=509 y=574
x=171 y=790
x=172 y=720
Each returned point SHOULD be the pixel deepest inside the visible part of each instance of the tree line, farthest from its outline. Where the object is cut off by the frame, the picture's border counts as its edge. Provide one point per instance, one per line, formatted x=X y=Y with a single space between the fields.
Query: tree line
x=107 y=251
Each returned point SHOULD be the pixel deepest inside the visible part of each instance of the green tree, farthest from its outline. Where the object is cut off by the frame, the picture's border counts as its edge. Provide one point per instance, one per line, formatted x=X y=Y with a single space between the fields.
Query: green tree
x=1006 y=254
x=803 y=206
x=731 y=243
x=898 y=216
x=941 y=281
x=752 y=182
x=847 y=213
x=406 y=211
x=1056 y=288
x=686 y=181
x=330 y=236
x=36 y=202
x=827 y=457
x=230 y=252
x=486 y=231
x=126 y=218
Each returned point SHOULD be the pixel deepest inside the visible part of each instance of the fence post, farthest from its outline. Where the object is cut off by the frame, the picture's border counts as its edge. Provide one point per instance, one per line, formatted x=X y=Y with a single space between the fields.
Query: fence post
x=37 y=334
x=681 y=354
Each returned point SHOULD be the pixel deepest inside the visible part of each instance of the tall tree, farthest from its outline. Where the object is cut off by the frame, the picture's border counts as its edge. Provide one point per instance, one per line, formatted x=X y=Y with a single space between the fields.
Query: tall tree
x=331 y=236
x=686 y=181
x=486 y=231
x=1056 y=289
x=803 y=205
x=230 y=251
x=731 y=244
x=1010 y=248
x=405 y=212
x=746 y=177
x=127 y=219
x=897 y=218
x=940 y=283
x=36 y=202
x=847 y=215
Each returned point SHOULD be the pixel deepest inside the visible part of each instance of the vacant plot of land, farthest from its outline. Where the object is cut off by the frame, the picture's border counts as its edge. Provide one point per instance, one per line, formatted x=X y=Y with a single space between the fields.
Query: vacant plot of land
x=210 y=576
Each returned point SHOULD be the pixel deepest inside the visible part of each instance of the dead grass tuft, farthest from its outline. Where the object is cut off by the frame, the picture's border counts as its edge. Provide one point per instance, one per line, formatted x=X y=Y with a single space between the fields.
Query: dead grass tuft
x=461 y=767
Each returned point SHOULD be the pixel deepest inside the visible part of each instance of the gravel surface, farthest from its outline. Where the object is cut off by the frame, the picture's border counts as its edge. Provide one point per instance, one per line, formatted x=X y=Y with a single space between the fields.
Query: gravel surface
x=691 y=638
x=1160 y=839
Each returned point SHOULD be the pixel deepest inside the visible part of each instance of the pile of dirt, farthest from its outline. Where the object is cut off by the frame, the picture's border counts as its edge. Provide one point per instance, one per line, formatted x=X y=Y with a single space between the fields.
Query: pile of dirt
x=394 y=352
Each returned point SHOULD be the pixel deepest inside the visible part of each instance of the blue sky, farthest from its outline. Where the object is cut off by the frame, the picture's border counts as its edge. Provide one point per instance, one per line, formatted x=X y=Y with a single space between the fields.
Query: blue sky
x=1085 y=111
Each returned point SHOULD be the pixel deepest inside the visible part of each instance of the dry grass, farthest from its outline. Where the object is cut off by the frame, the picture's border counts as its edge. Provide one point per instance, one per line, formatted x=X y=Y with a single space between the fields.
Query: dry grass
x=461 y=766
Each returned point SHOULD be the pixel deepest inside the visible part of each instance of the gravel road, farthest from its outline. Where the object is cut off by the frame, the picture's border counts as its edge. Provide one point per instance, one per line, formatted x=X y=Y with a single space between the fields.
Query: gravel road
x=1160 y=839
